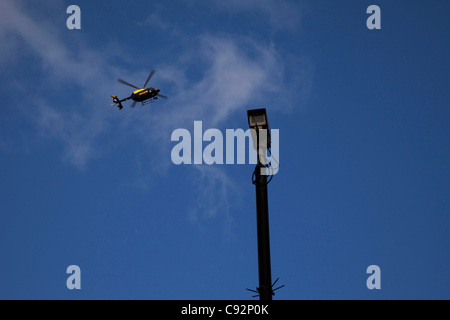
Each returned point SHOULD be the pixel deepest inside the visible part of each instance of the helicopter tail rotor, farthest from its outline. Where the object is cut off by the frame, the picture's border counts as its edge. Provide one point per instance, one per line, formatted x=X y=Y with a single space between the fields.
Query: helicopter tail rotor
x=117 y=101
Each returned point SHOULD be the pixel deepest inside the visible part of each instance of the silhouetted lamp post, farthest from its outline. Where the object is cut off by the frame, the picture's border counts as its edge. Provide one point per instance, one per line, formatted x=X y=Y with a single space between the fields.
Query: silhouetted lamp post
x=257 y=119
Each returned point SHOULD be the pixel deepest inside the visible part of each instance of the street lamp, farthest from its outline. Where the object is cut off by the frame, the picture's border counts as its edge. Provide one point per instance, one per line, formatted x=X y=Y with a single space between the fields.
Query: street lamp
x=257 y=119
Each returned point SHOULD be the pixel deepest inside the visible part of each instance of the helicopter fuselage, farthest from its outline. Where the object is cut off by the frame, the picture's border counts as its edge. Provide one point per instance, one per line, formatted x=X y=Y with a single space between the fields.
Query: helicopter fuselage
x=144 y=94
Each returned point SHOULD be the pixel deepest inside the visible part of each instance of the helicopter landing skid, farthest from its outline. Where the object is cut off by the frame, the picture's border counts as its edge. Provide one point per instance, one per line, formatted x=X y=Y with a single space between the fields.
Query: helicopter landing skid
x=149 y=101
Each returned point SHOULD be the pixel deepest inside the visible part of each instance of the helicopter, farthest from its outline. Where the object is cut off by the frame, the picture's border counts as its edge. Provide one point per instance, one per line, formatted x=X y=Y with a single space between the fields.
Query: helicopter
x=144 y=95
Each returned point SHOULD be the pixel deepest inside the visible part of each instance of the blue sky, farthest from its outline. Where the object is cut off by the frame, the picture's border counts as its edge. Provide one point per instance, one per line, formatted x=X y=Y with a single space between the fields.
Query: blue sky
x=364 y=154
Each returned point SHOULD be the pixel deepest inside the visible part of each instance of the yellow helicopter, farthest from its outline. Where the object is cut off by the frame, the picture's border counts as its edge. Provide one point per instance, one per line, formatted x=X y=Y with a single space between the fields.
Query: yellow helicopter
x=143 y=95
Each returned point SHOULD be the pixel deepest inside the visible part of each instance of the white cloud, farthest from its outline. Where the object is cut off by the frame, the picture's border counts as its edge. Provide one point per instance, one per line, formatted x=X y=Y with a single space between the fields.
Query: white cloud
x=79 y=123
x=233 y=74
x=155 y=21
x=77 y=133
x=40 y=39
x=238 y=72
x=214 y=191
x=235 y=78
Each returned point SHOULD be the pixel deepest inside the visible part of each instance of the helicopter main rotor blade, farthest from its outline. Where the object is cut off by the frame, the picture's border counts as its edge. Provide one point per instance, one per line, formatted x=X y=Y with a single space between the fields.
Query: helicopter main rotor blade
x=128 y=84
x=149 y=77
x=162 y=96
x=134 y=104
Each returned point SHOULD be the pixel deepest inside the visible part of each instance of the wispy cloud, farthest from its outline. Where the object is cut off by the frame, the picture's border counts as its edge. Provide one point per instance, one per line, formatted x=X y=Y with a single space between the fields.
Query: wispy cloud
x=154 y=20
x=233 y=73
x=215 y=189
x=238 y=71
x=77 y=133
x=79 y=124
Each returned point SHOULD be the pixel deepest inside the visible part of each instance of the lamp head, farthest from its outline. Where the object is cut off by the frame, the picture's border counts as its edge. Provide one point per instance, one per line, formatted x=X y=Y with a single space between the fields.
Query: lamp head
x=257 y=119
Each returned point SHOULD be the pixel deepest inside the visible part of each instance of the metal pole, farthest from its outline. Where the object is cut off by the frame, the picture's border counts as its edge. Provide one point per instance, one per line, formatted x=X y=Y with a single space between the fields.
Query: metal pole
x=262 y=219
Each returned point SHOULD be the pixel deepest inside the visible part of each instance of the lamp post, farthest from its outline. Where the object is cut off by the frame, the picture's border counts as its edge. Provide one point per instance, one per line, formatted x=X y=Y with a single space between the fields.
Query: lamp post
x=257 y=120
